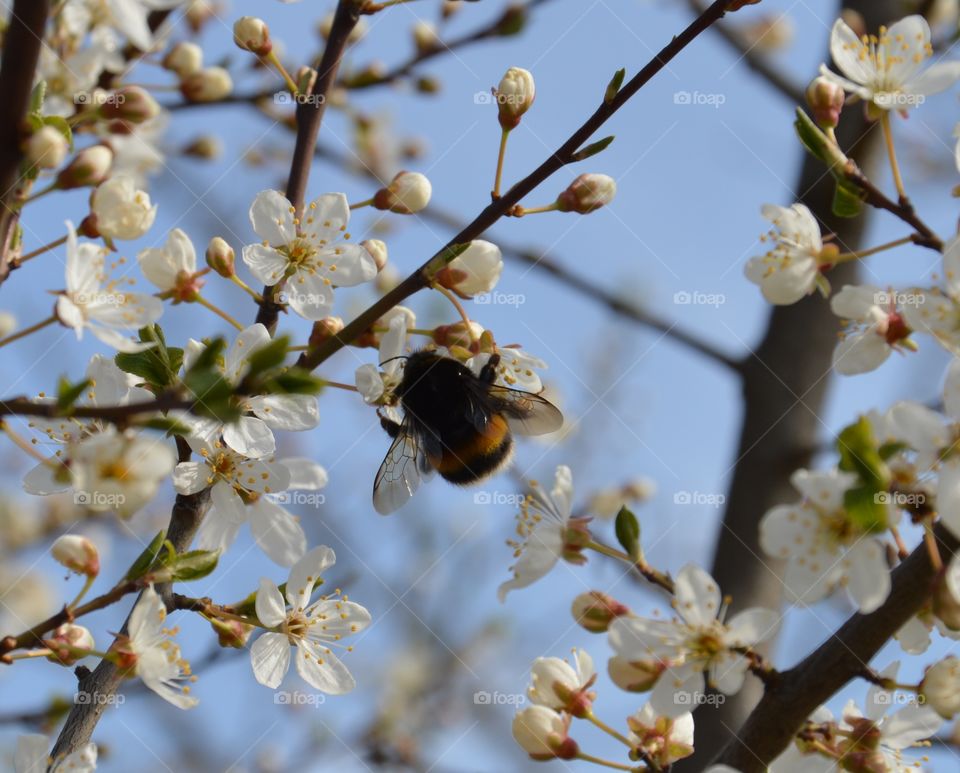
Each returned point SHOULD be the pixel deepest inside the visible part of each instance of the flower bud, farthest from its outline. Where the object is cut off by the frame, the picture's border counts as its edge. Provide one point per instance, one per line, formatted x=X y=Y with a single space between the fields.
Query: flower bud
x=67 y=638
x=587 y=193
x=130 y=103
x=207 y=147
x=184 y=59
x=89 y=167
x=119 y=210
x=209 y=85
x=634 y=675
x=408 y=192
x=199 y=12
x=474 y=271
x=457 y=334
x=253 y=35
x=826 y=101
x=231 y=633
x=221 y=257
x=425 y=37
x=554 y=683
x=940 y=687
x=515 y=94
x=46 y=148
x=323 y=330
x=306 y=79
x=542 y=733
x=77 y=553
x=594 y=611
x=378 y=251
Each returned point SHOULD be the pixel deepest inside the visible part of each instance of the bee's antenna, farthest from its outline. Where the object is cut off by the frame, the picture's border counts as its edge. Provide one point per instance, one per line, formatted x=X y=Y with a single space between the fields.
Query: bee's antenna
x=398 y=357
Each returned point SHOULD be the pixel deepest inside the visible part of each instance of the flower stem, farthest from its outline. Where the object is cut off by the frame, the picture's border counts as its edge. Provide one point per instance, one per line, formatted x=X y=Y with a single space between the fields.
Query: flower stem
x=364 y=203
x=931 y=542
x=40 y=250
x=902 y=550
x=608 y=730
x=521 y=211
x=605 y=763
x=27 y=331
x=21 y=443
x=892 y=153
x=83 y=591
x=459 y=307
x=274 y=60
x=218 y=311
x=846 y=256
x=247 y=288
x=33 y=197
x=339 y=385
x=500 y=156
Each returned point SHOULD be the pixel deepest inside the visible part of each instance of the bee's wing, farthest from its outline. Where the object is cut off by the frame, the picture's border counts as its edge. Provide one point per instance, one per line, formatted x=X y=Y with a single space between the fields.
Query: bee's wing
x=527 y=413
x=403 y=468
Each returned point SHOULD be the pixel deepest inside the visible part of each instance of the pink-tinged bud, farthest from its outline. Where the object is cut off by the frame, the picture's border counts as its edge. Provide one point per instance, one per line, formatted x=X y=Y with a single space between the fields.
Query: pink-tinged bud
x=940 y=688
x=475 y=271
x=64 y=642
x=231 y=633
x=594 y=611
x=408 y=192
x=221 y=257
x=46 y=148
x=209 y=85
x=587 y=193
x=77 y=553
x=634 y=675
x=89 y=167
x=542 y=733
x=183 y=59
x=207 y=147
x=826 y=101
x=378 y=251
x=515 y=95
x=324 y=330
x=130 y=103
x=425 y=37
x=253 y=35
x=457 y=335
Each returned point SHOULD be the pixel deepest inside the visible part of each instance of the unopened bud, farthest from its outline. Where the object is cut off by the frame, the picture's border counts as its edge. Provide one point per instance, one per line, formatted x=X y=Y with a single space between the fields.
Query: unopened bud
x=221 y=257
x=253 y=35
x=323 y=330
x=425 y=37
x=184 y=59
x=209 y=85
x=130 y=103
x=46 y=148
x=474 y=271
x=458 y=334
x=826 y=101
x=378 y=251
x=587 y=193
x=769 y=33
x=408 y=192
x=427 y=85
x=77 y=553
x=515 y=95
x=231 y=633
x=634 y=675
x=306 y=79
x=199 y=12
x=89 y=167
x=594 y=611
x=206 y=147
x=64 y=642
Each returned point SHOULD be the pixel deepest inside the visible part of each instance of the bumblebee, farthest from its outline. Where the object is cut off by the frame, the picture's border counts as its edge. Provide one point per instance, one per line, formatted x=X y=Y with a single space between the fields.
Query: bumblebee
x=456 y=423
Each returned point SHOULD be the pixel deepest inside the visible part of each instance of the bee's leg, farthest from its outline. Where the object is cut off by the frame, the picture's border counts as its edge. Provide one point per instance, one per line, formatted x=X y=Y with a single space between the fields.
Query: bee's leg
x=488 y=373
x=391 y=427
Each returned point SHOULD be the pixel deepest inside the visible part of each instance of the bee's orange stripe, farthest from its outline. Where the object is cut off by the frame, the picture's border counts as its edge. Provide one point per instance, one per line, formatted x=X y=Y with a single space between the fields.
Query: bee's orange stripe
x=481 y=444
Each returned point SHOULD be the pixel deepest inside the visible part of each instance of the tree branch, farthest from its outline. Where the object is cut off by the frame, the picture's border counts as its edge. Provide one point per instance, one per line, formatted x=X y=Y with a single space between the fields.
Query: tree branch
x=21 y=52
x=498 y=208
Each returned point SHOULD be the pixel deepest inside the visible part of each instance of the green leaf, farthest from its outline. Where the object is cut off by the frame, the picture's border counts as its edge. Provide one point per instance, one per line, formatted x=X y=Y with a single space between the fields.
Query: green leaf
x=270 y=356
x=859 y=453
x=813 y=139
x=157 y=366
x=591 y=150
x=146 y=559
x=294 y=381
x=68 y=394
x=867 y=508
x=627 y=529
x=60 y=123
x=165 y=424
x=210 y=356
x=194 y=564
x=847 y=199
x=37 y=96
x=613 y=88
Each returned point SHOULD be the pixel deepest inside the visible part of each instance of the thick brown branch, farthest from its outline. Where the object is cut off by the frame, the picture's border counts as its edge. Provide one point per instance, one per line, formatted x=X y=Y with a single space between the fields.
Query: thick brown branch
x=501 y=206
x=21 y=51
x=115 y=414
x=787 y=703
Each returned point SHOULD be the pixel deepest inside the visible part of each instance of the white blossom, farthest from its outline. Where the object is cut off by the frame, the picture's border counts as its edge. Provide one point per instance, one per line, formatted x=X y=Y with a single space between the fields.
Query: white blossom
x=875 y=328
x=121 y=211
x=790 y=270
x=32 y=757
